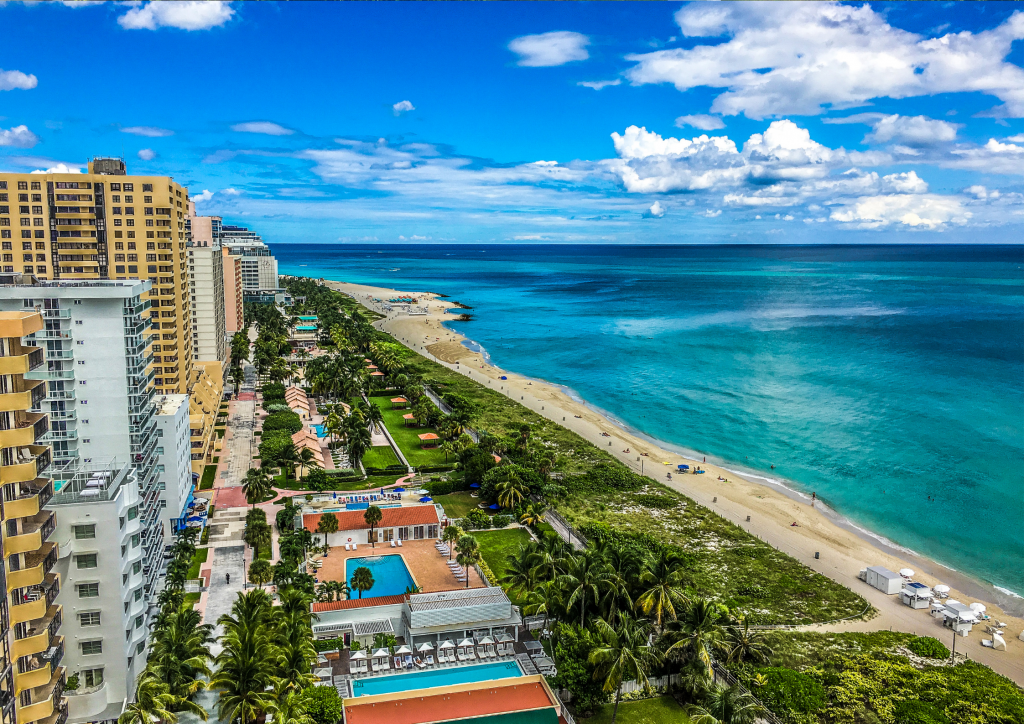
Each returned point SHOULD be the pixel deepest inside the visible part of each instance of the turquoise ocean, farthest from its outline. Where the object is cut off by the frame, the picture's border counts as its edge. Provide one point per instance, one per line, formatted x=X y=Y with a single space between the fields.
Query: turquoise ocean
x=889 y=380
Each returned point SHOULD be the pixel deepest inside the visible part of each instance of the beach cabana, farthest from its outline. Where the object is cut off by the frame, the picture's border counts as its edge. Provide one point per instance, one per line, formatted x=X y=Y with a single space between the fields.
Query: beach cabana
x=425 y=648
x=916 y=595
x=402 y=650
x=958 y=617
x=379 y=660
x=357 y=662
x=399 y=403
x=465 y=650
x=377 y=374
x=942 y=590
x=506 y=645
x=371 y=367
x=446 y=651
x=429 y=439
x=485 y=647
x=410 y=419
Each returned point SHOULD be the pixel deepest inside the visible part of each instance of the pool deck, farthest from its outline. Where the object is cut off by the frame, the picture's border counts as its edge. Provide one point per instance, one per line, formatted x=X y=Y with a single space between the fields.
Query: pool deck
x=428 y=567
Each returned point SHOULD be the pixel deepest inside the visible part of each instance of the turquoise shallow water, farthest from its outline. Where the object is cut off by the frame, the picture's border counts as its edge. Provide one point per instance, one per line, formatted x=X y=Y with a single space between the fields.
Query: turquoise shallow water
x=390 y=574
x=888 y=380
x=436 y=677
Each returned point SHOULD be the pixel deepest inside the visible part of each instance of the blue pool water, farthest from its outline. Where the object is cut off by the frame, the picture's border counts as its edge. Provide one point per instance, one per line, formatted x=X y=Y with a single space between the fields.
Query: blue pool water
x=887 y=379
x=364 y=506
x=436 y=677
x=390 y=575
x=306 y=327
x=320 y=431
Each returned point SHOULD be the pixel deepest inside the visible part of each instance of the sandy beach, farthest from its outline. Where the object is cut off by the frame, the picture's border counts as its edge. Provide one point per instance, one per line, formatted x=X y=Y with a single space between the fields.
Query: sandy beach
x=766 y=511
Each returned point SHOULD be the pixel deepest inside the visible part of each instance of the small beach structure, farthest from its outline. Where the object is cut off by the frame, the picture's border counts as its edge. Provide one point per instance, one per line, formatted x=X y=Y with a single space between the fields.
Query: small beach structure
x=410 y=419
x=377 y=373
x=379 y=660
x=429 y=439
x=883 y=579
x=399 y=403
x=959 y=617
x=916 y=595
x=357 y=662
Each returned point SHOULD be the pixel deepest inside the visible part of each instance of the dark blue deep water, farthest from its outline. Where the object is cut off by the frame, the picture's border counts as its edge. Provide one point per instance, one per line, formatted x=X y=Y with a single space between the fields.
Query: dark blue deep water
x=878 y=377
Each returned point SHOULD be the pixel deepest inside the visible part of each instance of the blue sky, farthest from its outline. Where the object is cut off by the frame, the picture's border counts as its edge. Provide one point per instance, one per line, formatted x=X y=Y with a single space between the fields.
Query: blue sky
x=560 y=122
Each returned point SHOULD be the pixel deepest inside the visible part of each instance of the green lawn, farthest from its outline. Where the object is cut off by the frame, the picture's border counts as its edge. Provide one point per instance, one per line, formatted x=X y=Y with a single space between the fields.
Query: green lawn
x=496 y=545
x=457 y=505
x=192 y=598
x=380 y=457
x=209 y=473
x=660 y=710
x=197 y=561
x=407 y=438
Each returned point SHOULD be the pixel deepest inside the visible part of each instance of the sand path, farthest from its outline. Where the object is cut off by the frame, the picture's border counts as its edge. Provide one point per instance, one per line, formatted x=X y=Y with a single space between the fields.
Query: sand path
x=760 y=509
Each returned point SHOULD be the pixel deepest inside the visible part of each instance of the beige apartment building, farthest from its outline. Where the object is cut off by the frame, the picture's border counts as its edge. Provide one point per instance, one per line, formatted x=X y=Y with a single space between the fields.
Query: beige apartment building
x=106 y=224
x=206 y=287
x=234 y=319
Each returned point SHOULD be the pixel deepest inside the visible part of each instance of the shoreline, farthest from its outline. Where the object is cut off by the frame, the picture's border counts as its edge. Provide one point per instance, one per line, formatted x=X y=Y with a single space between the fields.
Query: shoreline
x=755 y=502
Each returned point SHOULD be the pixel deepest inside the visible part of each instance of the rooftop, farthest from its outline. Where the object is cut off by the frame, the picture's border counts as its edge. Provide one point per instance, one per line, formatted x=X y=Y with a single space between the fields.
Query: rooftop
x=169 y=404
x=391 y=518
x=456 y=598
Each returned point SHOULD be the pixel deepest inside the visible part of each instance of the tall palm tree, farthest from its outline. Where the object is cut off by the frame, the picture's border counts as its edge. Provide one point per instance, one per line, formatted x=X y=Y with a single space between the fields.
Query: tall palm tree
x=448 y=448
x=358 y=443
x=533 y=514
x=155 y=703
x=663 y=592
x=451 y=535
x=624 y=655
x=306 y=459
x=374 y=416
x=546 y=599
x=258 y=535
x=468 y=553
x=726 y=705
x=180 y=651
x=362 y=580
x=511 y=491
x=372 y=517
x=246 y=665
x=696 y=634
x=520 y=574
x=742 y=644
x=584 y=579
x=328 y=524
x=256 y=485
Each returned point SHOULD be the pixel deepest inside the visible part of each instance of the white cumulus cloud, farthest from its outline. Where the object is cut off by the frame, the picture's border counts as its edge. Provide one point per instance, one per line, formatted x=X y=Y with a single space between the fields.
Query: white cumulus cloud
x=702 y=121
x=803 y=58
x=147 y=154
x=655 y=212
x=205 y=196
x=18 y=137
x=548 y=49
x=59 y=168
x=231 y=192
x=181 y=14
x=147 y=131
x=599 y=84
x=15 y=79
x=267 y=127
x=926 y=211
x=403 y=106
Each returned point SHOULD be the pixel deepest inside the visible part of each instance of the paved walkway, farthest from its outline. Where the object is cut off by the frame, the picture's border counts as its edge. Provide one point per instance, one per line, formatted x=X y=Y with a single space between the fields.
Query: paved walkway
x=221 y=594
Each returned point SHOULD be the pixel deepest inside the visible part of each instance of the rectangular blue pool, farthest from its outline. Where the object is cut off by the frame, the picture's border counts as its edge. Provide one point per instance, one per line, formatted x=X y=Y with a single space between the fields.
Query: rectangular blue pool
x=391 y=577
x=431 y=678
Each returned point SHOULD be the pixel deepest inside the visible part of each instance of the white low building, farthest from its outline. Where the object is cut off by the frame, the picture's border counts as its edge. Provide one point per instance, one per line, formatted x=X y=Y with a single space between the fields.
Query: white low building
x=410 y=522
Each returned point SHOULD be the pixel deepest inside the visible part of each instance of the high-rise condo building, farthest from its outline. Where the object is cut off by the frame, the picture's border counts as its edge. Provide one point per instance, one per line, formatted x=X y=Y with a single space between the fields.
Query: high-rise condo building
x=108 y=500
x=259 y=267
x=234 y=320
x=32 y=679
x=105 y=224
x=174 y=471
x=206 y=288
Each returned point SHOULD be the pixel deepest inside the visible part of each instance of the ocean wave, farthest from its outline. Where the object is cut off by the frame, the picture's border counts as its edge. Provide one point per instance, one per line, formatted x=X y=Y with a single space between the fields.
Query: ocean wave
x=1007 y=591
x=656 y=325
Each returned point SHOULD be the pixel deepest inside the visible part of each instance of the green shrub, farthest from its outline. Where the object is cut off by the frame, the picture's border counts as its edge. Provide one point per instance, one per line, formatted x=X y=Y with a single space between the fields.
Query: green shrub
x=929 y=648
x=288 y=421
x=329 y=644
x=323 y=704
x=273 y=390
x=205 y=537
x=273 y=407
x=915 y=711
x=500 y=521
x=661 y=502
x=791 y=691
x=605 y=478
x=477 y=519
x=441 y=487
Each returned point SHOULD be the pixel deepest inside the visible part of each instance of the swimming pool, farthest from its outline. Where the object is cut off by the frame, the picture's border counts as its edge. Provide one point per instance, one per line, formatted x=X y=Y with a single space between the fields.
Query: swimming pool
x=391 y=577
x=364 y=506
x=320 y=431
x=436 y=677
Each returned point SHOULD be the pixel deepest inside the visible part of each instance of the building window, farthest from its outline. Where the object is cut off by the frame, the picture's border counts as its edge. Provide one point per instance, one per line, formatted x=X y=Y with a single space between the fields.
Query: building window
x=92 y=677
x=86 y=560
x=133 y=513
x=138 y=594
x=139 y=620
x=90 y=648
x=84 y=532
x=88 y=590
x=136 y=540
x=136 y=567
x=89 y=619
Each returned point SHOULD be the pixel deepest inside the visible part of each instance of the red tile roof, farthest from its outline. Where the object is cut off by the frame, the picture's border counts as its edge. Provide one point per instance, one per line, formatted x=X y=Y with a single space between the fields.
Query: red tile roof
x=392 y=518
x=357 y=603
x=487 y=700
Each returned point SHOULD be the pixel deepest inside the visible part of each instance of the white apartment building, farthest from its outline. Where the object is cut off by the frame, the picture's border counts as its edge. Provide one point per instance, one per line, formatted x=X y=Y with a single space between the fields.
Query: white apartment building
x=174 y=471
x=104 y=432
x=206 y=285
x=259 y=267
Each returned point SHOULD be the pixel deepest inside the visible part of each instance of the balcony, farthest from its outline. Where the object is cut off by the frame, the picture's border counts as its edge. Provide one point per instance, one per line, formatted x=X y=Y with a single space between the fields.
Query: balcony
x=35 y=530
x=61 y=435
x=37 y=564
x=29 y=428
x=56 y=314
x=36 y=670
x=24 y=463
x=52 y=334
x=20 y=364
x=28 y=394
x=28 y=604
x=29 y=499
x=38 y=634
x=47 y=699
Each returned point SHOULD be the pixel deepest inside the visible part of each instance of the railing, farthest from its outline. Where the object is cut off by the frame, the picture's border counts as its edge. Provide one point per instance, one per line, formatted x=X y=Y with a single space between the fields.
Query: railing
x=54 y=656
x=54 y=626
x=572 y=532
x=50 y=525
x=35 y=359
x=60 y=395
x=56 y=314
x=720 y=672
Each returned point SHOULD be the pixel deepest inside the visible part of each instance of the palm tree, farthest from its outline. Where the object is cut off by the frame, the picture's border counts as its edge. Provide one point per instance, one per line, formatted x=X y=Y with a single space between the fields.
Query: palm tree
x=469 y=553
x=328 y=524
x=180 y=652
x=744 y=644
x=545 y=599
x=260 y=572
x=358 y=443
x=520 y=574
x=511 y=491
x=585 y=577
x=451 y=534
x=721 y=705
x=625 y=655
x=663 y=592
x=696 y=633
x=448 y=448
x=246 y=664
x=258 y=535
x=291 y=707
x=256 y=485
x=374 y=416
x=155 y=703
x=362 y=580
x=306 y=459
x=533 y=514
x=373 y=516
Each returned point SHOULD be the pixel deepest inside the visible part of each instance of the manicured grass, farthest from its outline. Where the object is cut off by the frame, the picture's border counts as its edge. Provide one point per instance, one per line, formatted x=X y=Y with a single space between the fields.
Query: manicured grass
x=209 y=473
x=497 y=545
x=380 y=457
x=197 y=561
x=457 y=505
x=407 y=438
x=192 y=598
x=374 y=481
x=660 y=710
x=220 y=432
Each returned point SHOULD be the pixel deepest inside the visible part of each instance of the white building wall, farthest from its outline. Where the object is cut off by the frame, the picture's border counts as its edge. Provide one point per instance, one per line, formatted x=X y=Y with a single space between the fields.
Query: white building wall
x=206 y=285
x=174 y=469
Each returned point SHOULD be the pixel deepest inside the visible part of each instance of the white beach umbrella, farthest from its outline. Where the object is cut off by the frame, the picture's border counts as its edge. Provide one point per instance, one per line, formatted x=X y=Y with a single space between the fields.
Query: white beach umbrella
x=357 y=655
x=403 y=650
x=381 y=654
x=977 y=607
x=486 y=640
x=447 y=644
x=906 y=573
x=941 y=588
x=425 y=647
x=466 y=642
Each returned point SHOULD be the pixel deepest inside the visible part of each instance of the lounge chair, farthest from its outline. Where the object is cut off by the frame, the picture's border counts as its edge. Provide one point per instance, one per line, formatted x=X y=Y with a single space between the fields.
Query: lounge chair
x=408 y=662
x=399 y=542
x=392 y=544
x=348 y=547
x=430 y=659
x=419 y=663
x=398 y=662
